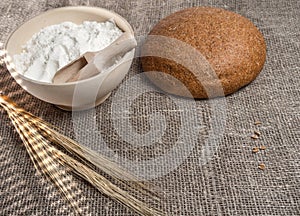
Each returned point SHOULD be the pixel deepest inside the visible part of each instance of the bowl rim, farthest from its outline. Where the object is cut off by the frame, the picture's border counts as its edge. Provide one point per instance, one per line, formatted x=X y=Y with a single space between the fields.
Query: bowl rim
x=114 y=14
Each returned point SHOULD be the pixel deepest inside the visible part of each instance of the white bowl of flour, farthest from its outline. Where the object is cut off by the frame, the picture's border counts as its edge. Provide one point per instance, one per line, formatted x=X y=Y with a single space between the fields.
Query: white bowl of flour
x=49 y=41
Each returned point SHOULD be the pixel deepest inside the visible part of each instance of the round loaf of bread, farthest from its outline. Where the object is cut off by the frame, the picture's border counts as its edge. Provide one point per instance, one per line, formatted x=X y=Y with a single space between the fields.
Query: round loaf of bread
x=211 y=51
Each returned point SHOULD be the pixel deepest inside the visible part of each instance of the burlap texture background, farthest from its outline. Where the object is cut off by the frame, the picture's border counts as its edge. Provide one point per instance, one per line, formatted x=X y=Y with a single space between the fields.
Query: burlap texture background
x=231 y=183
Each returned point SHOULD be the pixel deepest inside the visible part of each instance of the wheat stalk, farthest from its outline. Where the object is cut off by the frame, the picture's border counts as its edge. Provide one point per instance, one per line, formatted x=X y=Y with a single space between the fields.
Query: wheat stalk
x=43 y=144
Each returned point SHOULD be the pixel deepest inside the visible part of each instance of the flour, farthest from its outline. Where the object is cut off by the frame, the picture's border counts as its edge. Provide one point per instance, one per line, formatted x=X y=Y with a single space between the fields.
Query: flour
x=55 y=46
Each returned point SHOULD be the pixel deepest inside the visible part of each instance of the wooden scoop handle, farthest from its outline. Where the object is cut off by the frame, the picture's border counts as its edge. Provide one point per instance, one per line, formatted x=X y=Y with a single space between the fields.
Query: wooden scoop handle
x=103 y=58
x=89 y=56
x=92 y=63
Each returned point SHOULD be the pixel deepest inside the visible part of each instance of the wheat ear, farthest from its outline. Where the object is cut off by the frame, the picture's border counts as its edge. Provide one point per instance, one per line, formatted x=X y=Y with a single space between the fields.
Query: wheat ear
x=42 y=143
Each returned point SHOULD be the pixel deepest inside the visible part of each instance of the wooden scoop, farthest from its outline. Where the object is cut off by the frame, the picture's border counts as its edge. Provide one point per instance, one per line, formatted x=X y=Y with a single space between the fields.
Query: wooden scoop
x=92 y=63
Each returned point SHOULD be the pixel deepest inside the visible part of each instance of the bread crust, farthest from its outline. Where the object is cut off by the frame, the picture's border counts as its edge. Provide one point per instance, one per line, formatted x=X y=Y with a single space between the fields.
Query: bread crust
x=231 y=44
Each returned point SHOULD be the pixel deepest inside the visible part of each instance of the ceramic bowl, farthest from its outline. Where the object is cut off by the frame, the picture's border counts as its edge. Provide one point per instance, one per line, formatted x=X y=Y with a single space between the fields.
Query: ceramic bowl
x=79 y=95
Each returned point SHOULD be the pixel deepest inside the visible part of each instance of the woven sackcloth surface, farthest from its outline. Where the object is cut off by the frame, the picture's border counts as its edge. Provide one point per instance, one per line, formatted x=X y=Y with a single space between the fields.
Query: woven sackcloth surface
x=225 y=182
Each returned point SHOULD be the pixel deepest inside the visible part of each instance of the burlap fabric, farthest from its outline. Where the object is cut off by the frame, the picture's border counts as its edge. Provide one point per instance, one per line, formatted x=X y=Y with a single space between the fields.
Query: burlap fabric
x=228 y=184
